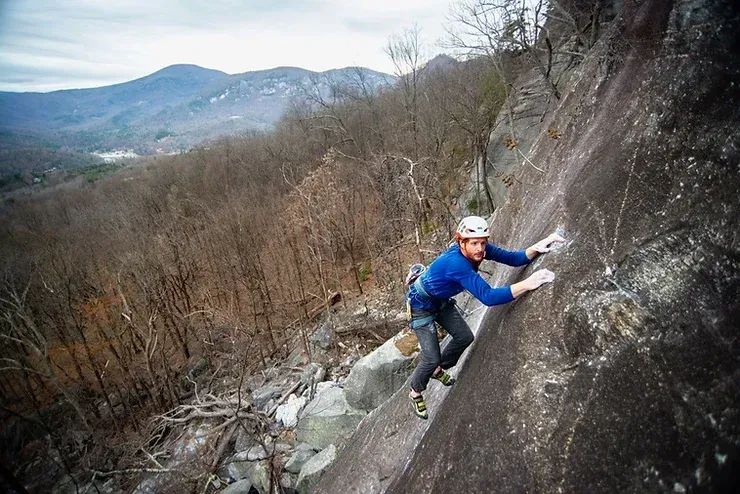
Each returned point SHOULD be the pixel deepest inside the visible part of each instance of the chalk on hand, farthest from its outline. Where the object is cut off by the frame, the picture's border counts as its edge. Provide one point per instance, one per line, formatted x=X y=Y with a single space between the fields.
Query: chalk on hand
x=547 y=276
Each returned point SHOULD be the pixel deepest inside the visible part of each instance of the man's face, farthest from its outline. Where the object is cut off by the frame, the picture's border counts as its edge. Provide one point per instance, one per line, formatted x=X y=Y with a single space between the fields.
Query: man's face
x=474 y=249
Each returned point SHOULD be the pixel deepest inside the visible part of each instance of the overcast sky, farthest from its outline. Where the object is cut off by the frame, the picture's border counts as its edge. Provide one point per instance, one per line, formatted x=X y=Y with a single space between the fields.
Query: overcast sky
x=61 y=44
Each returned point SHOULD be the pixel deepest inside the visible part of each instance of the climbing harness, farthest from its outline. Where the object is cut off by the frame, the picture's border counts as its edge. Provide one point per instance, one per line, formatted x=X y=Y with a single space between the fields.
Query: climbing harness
x=415 y=272
x=424 y=317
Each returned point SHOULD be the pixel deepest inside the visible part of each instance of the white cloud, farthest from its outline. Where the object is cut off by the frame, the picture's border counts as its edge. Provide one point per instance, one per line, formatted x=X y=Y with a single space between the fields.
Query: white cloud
x=81 y=43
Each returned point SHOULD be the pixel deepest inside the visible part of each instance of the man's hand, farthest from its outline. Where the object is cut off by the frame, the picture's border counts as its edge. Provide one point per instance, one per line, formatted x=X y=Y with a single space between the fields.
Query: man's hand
x=539 y=278
x=544 y=246
x=536 y=280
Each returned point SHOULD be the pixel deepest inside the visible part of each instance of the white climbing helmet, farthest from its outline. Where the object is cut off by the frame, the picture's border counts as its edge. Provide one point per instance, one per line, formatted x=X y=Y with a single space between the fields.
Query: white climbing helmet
x=472 y=227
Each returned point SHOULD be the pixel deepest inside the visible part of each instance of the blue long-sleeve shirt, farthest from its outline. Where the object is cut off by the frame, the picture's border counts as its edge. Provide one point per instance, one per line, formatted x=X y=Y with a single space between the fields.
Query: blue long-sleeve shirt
x=452 y=272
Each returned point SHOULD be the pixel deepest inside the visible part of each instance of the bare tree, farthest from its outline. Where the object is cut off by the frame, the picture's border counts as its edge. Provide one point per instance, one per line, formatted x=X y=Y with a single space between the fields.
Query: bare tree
x=469 y=95
x=20 y=328
x=494 y=28
x=406 y=52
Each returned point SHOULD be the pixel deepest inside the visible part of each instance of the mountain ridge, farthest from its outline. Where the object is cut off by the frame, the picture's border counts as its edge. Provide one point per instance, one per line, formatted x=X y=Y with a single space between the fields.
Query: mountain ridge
x=173 y=108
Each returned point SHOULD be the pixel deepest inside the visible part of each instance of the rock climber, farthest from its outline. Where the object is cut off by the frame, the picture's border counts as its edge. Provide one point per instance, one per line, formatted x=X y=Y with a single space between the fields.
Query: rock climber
x=430 y=292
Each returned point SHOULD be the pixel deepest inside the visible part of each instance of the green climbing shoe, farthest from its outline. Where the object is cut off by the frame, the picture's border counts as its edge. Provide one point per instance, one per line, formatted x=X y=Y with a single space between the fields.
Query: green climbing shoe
x=444 y=378
x=420 y=407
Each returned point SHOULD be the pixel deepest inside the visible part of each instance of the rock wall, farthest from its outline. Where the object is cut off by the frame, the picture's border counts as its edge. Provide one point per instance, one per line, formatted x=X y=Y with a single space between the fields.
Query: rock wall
x=624 y=374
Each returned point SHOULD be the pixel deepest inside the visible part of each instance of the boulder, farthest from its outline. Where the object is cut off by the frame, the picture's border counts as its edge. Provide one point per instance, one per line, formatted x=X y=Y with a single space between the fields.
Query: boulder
x=350 y=360
x=287 y=482
x=327 y=419
x=323 y=337
x=312 y=470
x=279 y=448
x=188 y=448
x=259 y=475
x=318 y=389
x=262 y=396
x=314 y=373
x=287 y=413
x=257 y=472
x=239 y=470
x=244 y=440
x=239 y=487
x=302 y=453
x=193 y=372
x=257 y=452
x=377 y=375
x=298 y=357
x=191 y=444
x=293 y=478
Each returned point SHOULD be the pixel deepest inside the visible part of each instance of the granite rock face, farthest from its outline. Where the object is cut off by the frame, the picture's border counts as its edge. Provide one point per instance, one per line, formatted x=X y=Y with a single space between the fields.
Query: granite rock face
x=624 y=374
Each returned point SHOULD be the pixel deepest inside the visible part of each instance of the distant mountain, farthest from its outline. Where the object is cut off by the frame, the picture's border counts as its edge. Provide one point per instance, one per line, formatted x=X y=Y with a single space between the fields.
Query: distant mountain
x=174 y=108
x=81 y=108
x=440 y=62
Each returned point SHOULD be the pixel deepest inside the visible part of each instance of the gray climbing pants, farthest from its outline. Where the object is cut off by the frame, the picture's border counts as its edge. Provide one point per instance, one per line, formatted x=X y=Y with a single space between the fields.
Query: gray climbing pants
x=451 y=320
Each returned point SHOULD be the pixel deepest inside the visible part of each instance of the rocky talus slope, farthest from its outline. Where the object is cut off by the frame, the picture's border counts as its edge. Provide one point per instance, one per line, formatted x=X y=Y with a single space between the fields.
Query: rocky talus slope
x=623 y=375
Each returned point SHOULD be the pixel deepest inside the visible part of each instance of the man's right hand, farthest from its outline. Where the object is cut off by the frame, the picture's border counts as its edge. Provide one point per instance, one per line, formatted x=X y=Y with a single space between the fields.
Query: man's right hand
x=539 y=278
